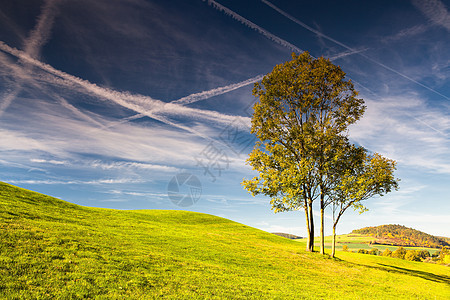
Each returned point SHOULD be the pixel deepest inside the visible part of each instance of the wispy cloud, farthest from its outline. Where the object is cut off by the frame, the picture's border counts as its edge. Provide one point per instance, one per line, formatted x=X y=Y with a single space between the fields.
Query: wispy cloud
x=12 y=140
x=196 y=97
x=405 y=129
x=435 y=10
x=32 y=47
x=138 y=194
x=116 y=165
x=76 y=111
x=51 y=161
x=133 y=165
x=146 y=105
x=64 y=139
x=77 y=182
x=297 y=230
x=406 y=33
x=41 y=33
x=19 y=165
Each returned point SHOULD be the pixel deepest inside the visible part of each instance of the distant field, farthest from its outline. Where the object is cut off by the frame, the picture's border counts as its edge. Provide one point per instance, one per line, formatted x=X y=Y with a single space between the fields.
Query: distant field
x=51 y=249
x=358 y=241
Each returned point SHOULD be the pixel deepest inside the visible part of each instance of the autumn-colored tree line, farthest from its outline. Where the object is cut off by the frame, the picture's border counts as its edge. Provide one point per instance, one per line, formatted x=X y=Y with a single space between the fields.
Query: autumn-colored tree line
x=442 y=256
x=399 y=235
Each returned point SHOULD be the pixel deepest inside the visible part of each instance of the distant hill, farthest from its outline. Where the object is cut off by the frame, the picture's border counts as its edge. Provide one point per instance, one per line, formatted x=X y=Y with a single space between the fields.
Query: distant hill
x=445 y=239
x=287 y=235
x=399 y=235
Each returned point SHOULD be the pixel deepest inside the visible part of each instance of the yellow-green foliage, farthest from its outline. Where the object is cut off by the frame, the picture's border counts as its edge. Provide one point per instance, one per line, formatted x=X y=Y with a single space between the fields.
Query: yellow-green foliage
x=447 y=259
x=399 y=253
x=51 y=249
x=443 y=256
x=412 y=255
x=387 y=252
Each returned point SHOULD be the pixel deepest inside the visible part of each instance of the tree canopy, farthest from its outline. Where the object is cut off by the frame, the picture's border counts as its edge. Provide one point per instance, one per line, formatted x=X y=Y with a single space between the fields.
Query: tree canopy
x=302 y=155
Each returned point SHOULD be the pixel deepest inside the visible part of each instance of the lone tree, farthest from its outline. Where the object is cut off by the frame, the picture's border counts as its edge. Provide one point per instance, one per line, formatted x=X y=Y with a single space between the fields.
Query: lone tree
x=360 y=176
x=305 y=107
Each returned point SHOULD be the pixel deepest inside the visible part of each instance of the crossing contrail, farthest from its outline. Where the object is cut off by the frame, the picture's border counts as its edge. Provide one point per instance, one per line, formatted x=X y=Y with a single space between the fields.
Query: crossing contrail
x=217 y=91
x=295 y=20
x=33 y=45
x=197 y=97
x=41 y=33
x=139 y=103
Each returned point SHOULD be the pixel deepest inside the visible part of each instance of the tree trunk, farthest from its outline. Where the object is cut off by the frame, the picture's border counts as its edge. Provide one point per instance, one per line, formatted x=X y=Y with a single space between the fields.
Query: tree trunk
x=307 y=228
x=322 y=238
x=311 y=228
x=333 y=246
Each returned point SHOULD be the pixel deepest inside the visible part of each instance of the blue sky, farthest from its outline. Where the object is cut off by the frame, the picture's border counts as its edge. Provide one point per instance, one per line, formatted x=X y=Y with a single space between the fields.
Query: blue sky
x=105 y=103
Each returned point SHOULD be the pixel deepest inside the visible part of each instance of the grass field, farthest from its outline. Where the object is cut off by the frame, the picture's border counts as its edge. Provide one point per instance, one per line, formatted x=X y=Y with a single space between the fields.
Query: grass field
x=51 y=249
x=355 y=242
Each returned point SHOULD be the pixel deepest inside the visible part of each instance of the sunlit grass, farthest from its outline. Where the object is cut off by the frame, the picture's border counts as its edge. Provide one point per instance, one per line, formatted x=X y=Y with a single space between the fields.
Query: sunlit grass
x=355 y=242
x=53 y=249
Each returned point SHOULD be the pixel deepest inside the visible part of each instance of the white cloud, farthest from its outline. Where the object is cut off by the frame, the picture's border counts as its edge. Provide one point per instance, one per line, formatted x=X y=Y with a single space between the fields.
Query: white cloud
x=405 y=129
x=32 y=45
x=117 y=165
x=62 y=139
x=435 y=10
x=135 y=165
x=53 y=162
x=146 y=105
x=16 y=141
x=140 y=194
x=297 y=230
x=77 y=182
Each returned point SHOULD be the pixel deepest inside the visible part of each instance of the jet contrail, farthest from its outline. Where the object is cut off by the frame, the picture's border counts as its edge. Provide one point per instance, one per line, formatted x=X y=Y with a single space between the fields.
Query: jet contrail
x=347 y=53
x=40 y=34
x=295 y=20
x=197 y=97
x=32 y=45
x=253 y=26
x=135 y=102
x=217 y=91
x=76 y=111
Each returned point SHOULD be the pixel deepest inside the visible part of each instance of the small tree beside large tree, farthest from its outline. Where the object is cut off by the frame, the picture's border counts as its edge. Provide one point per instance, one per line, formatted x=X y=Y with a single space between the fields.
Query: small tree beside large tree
x=360 y=176
x=301 y=119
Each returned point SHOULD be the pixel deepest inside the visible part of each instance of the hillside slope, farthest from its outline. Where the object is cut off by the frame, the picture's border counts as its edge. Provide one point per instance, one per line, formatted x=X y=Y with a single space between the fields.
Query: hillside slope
x=399 y=235
x=53 y=249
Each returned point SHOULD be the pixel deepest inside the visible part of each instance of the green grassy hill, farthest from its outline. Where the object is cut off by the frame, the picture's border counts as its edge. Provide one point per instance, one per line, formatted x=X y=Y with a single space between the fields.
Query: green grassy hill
x=51 y=249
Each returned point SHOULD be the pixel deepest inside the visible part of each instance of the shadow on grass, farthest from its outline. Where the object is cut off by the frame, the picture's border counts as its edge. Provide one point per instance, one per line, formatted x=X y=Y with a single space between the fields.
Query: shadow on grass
x=399 y=270
x=421 y=274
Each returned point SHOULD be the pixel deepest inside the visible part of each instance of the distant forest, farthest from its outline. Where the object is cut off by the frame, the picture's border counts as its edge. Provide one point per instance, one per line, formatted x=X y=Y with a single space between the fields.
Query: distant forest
x=399 y=235
x=287 y=235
